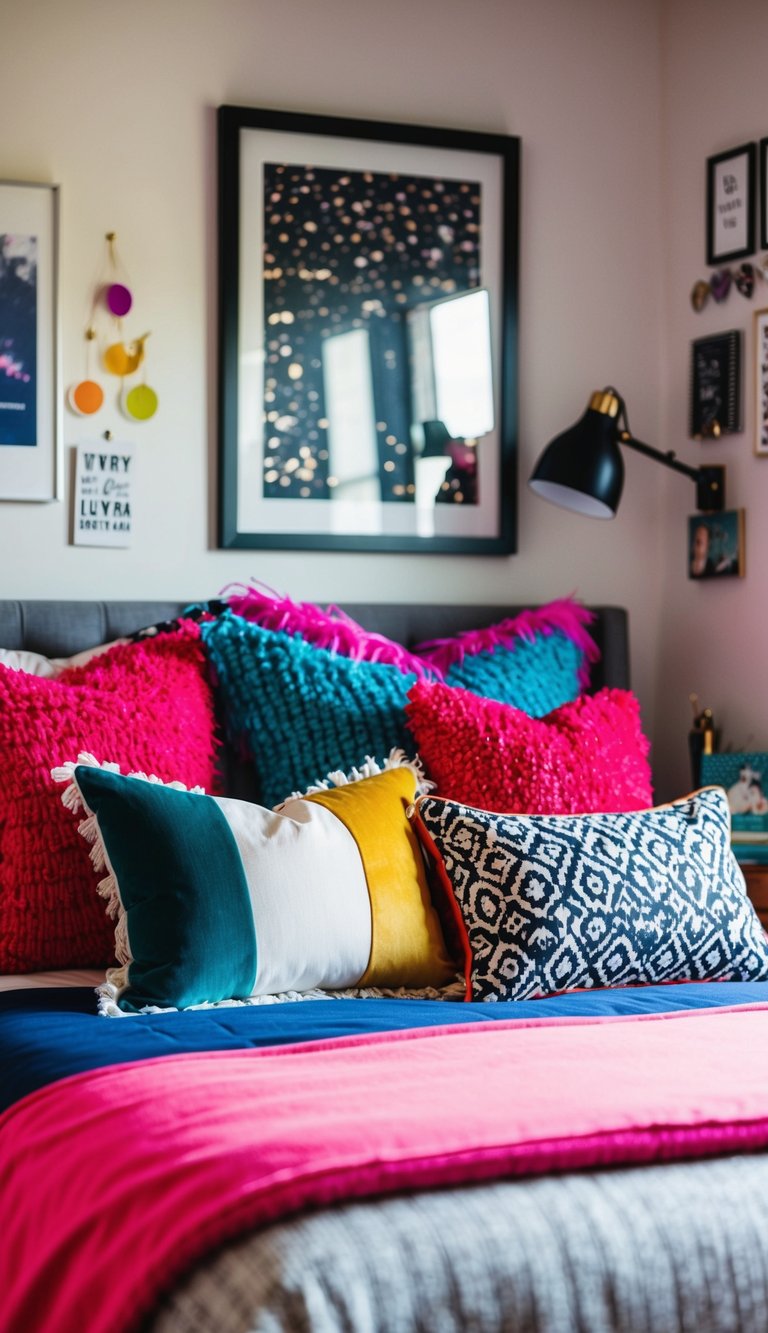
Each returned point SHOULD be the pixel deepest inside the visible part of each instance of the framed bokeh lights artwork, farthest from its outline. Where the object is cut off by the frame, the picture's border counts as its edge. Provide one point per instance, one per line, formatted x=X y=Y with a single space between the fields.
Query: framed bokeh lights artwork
x=367 y=335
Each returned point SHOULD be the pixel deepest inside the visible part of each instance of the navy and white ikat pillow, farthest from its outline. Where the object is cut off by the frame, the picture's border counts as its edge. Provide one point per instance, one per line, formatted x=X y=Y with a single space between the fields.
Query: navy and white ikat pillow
x=551 y=903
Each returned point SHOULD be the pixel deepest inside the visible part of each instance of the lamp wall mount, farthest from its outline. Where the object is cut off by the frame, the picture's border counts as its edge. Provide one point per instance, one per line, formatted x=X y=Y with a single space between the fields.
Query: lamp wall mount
x=582 y=469
x=710 y=480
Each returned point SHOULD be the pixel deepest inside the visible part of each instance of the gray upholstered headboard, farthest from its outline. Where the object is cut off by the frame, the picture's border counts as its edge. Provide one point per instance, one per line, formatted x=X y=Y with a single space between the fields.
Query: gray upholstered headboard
x=58 y=628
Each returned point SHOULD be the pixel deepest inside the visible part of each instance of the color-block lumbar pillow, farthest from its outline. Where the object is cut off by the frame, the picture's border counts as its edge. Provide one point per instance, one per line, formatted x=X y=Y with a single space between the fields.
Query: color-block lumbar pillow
x=588 y=755
x=535 y=660
x=554 y=903
x=218 y=900
x=303 y=710
x=150 y=706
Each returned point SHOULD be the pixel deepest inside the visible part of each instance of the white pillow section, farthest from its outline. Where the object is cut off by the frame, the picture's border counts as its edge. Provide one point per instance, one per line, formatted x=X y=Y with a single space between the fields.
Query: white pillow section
x=36 y=664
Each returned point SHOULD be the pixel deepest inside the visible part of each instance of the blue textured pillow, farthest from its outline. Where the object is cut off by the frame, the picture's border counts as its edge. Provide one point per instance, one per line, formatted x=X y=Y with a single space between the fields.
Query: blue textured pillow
x=536 y=660
x=536 y=675
x=303 y=711
x=550 y=903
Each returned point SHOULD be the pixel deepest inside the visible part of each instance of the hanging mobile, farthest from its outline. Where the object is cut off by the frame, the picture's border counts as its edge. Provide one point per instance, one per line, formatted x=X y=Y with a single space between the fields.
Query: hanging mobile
x=87 y=396
x=119 y=358
x=140 y=402
x=125 y=358
x=117 y=295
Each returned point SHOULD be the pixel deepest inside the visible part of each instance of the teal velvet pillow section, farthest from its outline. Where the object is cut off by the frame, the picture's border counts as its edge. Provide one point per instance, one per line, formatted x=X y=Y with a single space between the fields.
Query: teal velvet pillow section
x=181 y=883
x=303 y=711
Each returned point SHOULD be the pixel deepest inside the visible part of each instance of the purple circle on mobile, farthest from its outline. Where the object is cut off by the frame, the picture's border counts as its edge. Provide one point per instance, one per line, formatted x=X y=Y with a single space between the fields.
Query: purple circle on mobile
x=119 y=299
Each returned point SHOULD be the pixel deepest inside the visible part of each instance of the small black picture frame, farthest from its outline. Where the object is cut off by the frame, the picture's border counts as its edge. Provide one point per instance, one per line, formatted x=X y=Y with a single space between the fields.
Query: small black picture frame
x=715 y=388
x=764 y=194
x=716 y=545
x=731 y=204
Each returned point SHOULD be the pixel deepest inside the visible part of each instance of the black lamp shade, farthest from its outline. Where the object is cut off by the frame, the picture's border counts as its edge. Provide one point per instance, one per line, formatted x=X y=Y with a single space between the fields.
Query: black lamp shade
x=583 y=469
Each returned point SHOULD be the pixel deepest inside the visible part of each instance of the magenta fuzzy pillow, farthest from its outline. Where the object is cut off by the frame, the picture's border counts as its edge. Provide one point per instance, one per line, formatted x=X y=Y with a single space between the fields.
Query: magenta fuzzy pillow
x=588 y=755
x=147 y=706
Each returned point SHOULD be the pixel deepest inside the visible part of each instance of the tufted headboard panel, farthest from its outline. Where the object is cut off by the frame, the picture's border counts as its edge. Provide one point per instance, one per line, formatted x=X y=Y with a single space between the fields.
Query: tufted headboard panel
x=60 y=628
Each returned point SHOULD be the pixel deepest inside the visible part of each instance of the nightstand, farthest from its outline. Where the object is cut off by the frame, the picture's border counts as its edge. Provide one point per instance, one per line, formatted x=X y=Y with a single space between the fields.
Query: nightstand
x=757 y=888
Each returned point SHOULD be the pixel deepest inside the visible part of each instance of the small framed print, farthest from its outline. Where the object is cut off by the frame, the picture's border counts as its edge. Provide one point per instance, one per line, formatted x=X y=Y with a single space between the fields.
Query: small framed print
x=764 y=194
x=745 y=778
x=715 y=391
x=761 y=383
x=29 y=416
x=716 y=545
x=731 y=204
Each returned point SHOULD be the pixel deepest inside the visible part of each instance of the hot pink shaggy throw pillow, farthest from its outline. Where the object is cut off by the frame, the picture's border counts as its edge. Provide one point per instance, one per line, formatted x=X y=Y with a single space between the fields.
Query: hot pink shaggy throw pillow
x=147 y=706
x=588 y=755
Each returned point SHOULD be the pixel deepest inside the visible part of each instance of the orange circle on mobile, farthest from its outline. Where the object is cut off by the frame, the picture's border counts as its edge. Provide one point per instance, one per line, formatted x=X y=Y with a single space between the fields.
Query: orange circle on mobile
x=86 y=397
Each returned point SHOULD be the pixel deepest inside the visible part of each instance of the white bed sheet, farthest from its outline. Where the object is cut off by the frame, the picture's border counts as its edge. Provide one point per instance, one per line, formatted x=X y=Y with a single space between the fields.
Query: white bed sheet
x=72 y=977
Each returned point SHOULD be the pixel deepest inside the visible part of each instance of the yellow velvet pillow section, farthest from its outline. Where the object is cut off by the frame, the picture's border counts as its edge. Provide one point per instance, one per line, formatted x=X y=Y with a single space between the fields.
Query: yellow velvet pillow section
x=407 y=945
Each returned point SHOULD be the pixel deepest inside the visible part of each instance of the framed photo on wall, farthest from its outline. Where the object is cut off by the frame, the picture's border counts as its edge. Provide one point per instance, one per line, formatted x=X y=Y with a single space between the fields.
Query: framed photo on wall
x=731 y=204
x=29 y=410
x=761 y=383
x=715 y=386
x=367 y=335
x=716 y=545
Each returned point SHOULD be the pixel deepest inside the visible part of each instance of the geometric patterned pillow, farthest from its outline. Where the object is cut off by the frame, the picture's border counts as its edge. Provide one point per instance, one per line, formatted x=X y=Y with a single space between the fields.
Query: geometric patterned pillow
x=551 y=903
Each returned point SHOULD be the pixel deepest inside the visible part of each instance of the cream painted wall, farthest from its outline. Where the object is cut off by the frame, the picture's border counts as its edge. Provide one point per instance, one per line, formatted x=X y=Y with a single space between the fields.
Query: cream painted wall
x=116 y=104
x=713 y=636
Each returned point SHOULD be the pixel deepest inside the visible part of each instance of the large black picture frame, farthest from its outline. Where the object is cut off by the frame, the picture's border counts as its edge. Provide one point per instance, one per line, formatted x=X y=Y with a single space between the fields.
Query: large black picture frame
x=270 y=485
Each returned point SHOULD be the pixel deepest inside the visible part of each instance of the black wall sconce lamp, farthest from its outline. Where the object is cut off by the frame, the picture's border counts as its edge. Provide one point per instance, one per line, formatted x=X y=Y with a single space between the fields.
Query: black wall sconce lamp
x=583 y=469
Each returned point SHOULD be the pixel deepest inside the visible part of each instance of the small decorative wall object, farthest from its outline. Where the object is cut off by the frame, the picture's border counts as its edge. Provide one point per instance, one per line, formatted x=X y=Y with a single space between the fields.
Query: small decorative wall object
x=87 y=396
x=29 y=420
x=112 y=301
x=700 y=294
x=730 y=204
x=716 y=545
x=761 y=383
x=715 y=393
x=722 y=282
x=103 y=494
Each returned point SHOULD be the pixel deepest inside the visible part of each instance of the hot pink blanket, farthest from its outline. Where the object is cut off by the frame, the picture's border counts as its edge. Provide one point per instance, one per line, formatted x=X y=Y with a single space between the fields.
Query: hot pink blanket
x=117 y=1180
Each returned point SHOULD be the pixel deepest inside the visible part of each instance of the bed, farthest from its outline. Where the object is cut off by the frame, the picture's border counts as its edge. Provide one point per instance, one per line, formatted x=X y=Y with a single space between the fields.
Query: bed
x=593 y=1160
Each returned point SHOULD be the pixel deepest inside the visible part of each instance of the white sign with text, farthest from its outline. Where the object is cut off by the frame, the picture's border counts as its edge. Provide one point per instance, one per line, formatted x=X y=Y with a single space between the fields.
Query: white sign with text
x=103 y=495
